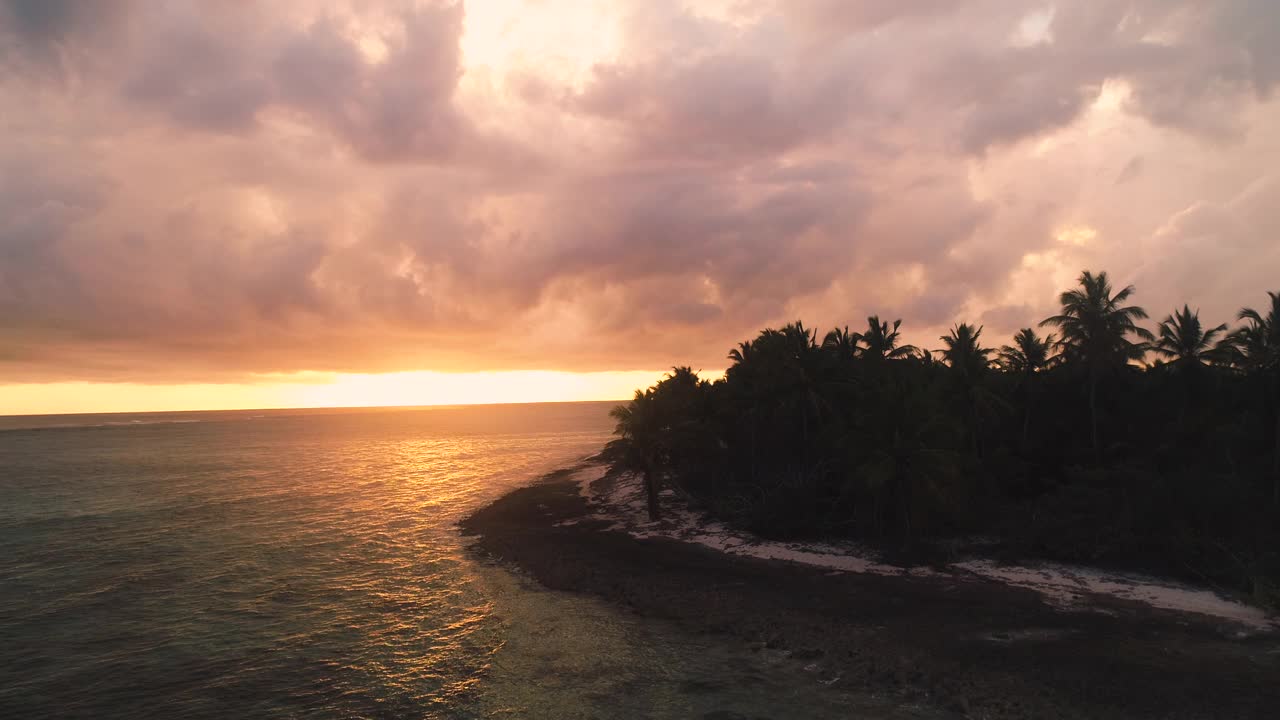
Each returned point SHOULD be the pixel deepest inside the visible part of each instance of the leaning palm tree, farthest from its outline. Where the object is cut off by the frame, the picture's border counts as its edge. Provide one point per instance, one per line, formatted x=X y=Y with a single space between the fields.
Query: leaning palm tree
x=881 y=343
x=742 y=353
x=1257 y=348
x=1258 y=342
x=1185 y=342
x=639 y=443
x=1096 y=330
x=1027 y=356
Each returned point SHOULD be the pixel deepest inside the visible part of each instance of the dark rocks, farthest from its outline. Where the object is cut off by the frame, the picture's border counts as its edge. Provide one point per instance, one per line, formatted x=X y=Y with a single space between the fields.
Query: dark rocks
x=970 y=648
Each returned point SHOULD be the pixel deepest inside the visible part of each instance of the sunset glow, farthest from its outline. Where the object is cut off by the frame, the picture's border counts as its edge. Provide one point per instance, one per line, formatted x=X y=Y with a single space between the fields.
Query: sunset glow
x=313 y=390
x=639 y=358
x=208 y=204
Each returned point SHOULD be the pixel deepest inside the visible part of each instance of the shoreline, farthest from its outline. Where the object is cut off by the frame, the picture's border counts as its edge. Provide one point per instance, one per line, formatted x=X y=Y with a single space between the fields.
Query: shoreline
x=967 y=643
x=1078 y=588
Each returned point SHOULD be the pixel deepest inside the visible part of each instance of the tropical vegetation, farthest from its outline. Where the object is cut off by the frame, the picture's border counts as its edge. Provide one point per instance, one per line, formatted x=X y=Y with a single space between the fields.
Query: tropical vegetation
x=1104 y=442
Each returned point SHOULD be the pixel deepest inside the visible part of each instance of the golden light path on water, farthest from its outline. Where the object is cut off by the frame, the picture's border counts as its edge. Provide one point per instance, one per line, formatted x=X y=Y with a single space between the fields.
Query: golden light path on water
x=308 y=564
x=258 y=565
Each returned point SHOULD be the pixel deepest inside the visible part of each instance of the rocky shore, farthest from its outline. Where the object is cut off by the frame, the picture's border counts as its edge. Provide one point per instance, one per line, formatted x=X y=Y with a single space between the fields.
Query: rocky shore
x=972 y=645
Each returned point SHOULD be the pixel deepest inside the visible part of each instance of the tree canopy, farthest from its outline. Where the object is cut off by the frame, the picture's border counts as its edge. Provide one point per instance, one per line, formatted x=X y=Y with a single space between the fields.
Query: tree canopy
x=1081 y=445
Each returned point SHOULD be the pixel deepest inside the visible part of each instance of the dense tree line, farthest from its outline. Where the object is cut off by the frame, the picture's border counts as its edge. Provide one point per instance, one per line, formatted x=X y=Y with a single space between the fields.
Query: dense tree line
x=1101 y=441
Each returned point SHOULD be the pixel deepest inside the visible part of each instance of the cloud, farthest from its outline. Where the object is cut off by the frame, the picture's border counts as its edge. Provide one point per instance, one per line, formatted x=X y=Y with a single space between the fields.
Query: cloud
x=397 y=107
x=45 y=36
x=204 y=192
x=1132 y=170
x=1219 y=256
x=829 y=16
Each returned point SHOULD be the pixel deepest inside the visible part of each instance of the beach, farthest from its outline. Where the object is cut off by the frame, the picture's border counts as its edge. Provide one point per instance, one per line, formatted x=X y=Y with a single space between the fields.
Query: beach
x=974 y=639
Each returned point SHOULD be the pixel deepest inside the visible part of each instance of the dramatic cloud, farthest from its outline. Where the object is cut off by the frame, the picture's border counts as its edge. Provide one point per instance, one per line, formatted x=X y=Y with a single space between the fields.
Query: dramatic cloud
x=203 y=192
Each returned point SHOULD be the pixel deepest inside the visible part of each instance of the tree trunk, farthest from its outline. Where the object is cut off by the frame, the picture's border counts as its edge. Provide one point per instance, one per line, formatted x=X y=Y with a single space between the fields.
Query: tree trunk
x=1188 y=393
x=1030 y=397
x=1026 y=425
x=902 y=483
x=877 y=510
x=973 y=427
x=1275 y=453
x=1093 y=413
x=651 y=492
x=1275 y=465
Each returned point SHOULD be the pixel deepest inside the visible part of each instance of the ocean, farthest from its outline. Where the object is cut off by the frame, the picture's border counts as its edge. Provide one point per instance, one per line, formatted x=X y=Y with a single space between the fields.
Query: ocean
x=307 y=564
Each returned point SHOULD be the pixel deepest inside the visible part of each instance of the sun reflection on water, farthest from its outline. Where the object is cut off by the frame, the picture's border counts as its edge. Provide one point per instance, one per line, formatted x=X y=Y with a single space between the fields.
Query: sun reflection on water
x=269 y=567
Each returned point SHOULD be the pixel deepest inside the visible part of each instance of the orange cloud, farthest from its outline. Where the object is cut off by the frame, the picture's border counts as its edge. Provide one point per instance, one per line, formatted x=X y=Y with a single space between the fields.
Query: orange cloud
x=194 y=194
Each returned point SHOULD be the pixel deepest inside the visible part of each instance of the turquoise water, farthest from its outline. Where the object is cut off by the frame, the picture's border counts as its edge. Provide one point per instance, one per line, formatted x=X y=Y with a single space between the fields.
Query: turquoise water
x=307 y=564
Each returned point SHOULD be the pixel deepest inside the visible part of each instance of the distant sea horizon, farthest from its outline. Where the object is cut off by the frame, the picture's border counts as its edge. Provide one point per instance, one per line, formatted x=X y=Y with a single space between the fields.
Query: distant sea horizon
x=6 y=418
x=307 y=562
x=260 y=563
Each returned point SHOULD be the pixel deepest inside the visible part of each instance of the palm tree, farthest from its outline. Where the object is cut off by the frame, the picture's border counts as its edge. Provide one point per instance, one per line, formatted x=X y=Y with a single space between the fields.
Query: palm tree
x=1096 y=328
x=968 y=362
x=1027 y=356
x=639 y=445
x=784 y=378
x=747 y=376
x=925 y=358
x=1185 y=342
x=1257 y=348
x=1188 y=346
x=842 y=343
x=963 y=353
x=803 y=380
x=740 y=354
x=906 y=459
x=882 y=343
x=1258 y=343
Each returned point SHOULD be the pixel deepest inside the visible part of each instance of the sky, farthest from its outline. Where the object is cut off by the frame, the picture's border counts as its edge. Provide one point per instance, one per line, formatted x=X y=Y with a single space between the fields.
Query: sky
x=257 y=204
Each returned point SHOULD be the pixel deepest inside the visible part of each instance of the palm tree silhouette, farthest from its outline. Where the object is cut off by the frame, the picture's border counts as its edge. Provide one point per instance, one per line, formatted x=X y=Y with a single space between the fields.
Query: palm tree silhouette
x=842 y=343
x=1027 y=356
x=639 y=429
x=908 y=457
x=881 y=343
x=783 y=378
x=925 y=358
x=742 y=353
x=968 y=362
x=1185 y=342
x=1258 y=342
x=1257 y=349
x=963 y=353
x=1096 y=327
x=800 y=386
x=1188 y=346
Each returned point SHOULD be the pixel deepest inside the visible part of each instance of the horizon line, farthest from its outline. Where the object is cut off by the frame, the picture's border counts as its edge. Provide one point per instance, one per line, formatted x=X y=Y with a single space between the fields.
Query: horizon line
x=438 y=406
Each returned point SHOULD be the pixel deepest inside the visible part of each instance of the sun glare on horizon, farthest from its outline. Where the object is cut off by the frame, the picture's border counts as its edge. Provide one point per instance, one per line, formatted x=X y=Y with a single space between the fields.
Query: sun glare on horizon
x=316 y=390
